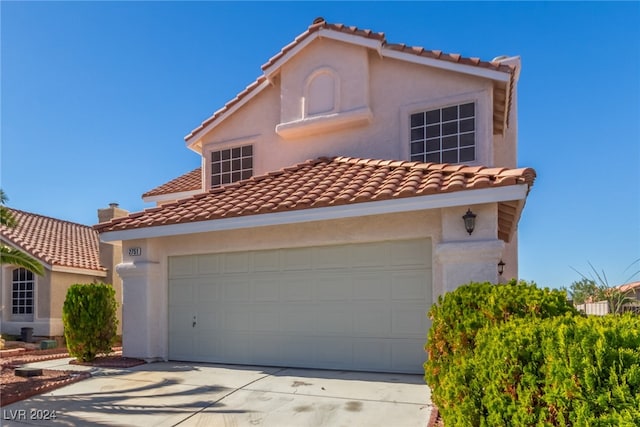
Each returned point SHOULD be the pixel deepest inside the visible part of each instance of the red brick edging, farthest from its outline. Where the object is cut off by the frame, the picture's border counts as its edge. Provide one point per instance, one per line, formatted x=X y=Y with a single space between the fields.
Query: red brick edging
x=434 y=419
x=12 y=398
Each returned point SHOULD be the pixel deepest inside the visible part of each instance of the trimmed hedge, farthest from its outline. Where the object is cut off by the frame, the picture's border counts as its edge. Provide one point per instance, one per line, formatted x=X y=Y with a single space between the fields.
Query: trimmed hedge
x=457 y=318
x=89 y=318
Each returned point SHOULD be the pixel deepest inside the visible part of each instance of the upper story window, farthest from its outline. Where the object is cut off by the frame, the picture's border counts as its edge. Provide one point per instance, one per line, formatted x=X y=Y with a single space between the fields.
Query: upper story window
x=444 y=135
x=22 y=291
x=231 y=165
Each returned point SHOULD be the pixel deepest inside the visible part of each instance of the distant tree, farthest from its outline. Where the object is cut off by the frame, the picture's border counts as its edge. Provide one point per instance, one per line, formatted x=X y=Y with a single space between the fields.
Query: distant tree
x=583 y=290
x=597 y=288
x=9 y=255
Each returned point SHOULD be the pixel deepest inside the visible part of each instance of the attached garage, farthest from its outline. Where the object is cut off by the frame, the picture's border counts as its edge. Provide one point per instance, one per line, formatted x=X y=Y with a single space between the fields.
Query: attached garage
x=354 y=306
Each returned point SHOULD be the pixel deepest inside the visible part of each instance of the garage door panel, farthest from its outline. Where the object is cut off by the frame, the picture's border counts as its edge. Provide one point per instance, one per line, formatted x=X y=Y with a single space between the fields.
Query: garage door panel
x=373 y=321
x=268 y=347
x=237 y=318
x=296 y=259
x=181 y=318
x=298 y=319
x=372 y=286
x=371 y=255
x=334 y=287
x=236 y=262
x=265 y=287
x=266 y=261
x=372 y=353
x=359 y=306
x=331 y=257
x=334 y=351
x=415 y=252
x=210 y=347
x=209 y=264
x=405 y=357
x=182 y=266
x=184 y=348
x=208 y=292
x=296 y=287
x=235 y=288
x=207 y=318
x=298 y=350
x=335 y=321
x=408 y=285
x=408 y=319
x=267 y=320
x=181 y=292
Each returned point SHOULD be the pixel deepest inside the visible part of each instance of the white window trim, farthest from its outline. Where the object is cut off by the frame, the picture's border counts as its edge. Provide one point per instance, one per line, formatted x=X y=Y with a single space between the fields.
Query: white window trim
x=22 y=317
x=484 y=122
x=224 y=145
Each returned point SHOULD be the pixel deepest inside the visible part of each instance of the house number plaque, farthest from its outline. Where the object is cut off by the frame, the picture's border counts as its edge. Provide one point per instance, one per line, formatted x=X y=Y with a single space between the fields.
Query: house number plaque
x=137 y=251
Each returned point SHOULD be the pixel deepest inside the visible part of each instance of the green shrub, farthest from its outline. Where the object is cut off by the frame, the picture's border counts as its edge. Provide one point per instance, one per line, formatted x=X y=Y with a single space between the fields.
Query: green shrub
x=89 y=318
x=456 y=319
x=565 y=371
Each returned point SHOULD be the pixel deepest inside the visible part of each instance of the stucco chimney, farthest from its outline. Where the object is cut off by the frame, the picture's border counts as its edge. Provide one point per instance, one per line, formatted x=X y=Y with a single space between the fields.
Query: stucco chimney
x=111 y=255
x=113 y=211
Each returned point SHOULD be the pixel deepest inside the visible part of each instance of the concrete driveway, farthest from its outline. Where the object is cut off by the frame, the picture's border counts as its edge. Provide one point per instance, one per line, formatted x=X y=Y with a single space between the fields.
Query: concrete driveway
x=200 y=394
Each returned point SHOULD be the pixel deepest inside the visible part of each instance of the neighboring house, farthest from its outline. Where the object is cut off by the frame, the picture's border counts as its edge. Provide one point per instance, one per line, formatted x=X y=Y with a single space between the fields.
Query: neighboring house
x=327 y=214
x=70 y=253
x=630 y=290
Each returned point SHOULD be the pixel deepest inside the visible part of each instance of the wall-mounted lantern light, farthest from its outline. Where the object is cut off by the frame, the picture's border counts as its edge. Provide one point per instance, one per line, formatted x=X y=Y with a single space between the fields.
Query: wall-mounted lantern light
x=469 y=221
x=501 y=267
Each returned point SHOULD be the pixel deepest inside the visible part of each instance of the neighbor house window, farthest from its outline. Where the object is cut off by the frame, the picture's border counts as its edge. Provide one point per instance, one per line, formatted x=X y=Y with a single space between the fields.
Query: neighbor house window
x=444 y=135
x=22 y=291
x=231 y=165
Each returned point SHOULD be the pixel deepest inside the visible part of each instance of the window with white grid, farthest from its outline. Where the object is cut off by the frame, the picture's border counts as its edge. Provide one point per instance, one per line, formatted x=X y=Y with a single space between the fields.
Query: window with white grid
x=444 y=135
x=231 y=165
x=22 y=291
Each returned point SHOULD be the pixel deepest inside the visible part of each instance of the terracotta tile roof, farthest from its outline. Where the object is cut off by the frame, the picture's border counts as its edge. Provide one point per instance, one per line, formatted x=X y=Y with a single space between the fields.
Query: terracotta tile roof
x=188 y=182
x=323 y=182
x=53 y=241
x=320 y=23
x=629 y=286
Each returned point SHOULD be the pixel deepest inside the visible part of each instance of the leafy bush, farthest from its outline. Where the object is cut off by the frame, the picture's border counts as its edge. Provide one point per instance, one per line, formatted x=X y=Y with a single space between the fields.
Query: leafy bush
x=565 y=371
x=456 y=319
x=89 y=318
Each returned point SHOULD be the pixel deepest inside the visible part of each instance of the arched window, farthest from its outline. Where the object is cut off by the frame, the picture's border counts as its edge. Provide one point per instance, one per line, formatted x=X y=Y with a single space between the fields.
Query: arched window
x=22 y=294
x=321 y=92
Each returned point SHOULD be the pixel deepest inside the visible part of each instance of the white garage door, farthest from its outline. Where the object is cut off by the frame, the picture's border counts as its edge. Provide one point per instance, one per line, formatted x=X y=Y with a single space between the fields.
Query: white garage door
x=356 y=307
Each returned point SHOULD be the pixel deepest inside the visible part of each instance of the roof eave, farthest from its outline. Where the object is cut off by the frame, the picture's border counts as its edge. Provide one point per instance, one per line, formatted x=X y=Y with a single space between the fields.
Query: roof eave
x=167 y=197
x=193 y=140
x=271 y=70
x=407 y=204
x=473 y=70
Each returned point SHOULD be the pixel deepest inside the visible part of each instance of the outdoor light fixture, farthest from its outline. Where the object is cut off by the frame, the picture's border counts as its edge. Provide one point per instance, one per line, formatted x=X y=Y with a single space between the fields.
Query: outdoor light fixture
x=501 y=267
x=469 y=221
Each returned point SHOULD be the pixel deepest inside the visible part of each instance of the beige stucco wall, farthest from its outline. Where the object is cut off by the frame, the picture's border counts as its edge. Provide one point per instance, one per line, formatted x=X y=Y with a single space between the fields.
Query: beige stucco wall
x=50 y=293
x=390 y=88
x=467 y=257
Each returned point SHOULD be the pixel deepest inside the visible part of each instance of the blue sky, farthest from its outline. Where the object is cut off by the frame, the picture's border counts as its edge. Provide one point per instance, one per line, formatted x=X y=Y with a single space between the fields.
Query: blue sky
x=96 y=98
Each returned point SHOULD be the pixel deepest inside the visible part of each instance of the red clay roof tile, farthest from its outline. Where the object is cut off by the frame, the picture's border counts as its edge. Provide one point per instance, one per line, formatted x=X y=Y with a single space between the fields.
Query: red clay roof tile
x=323 y=182
x=188 y=182
x=54 y=241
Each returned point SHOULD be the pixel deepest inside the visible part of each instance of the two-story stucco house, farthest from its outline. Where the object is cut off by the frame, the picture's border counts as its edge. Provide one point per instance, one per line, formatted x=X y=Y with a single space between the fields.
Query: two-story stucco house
x=327 y=213
x=69 y=252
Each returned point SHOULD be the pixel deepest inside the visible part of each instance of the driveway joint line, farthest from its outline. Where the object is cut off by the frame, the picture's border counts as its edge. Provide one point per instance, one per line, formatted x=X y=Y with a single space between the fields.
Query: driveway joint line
x=338 y=397
x=229 y=394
